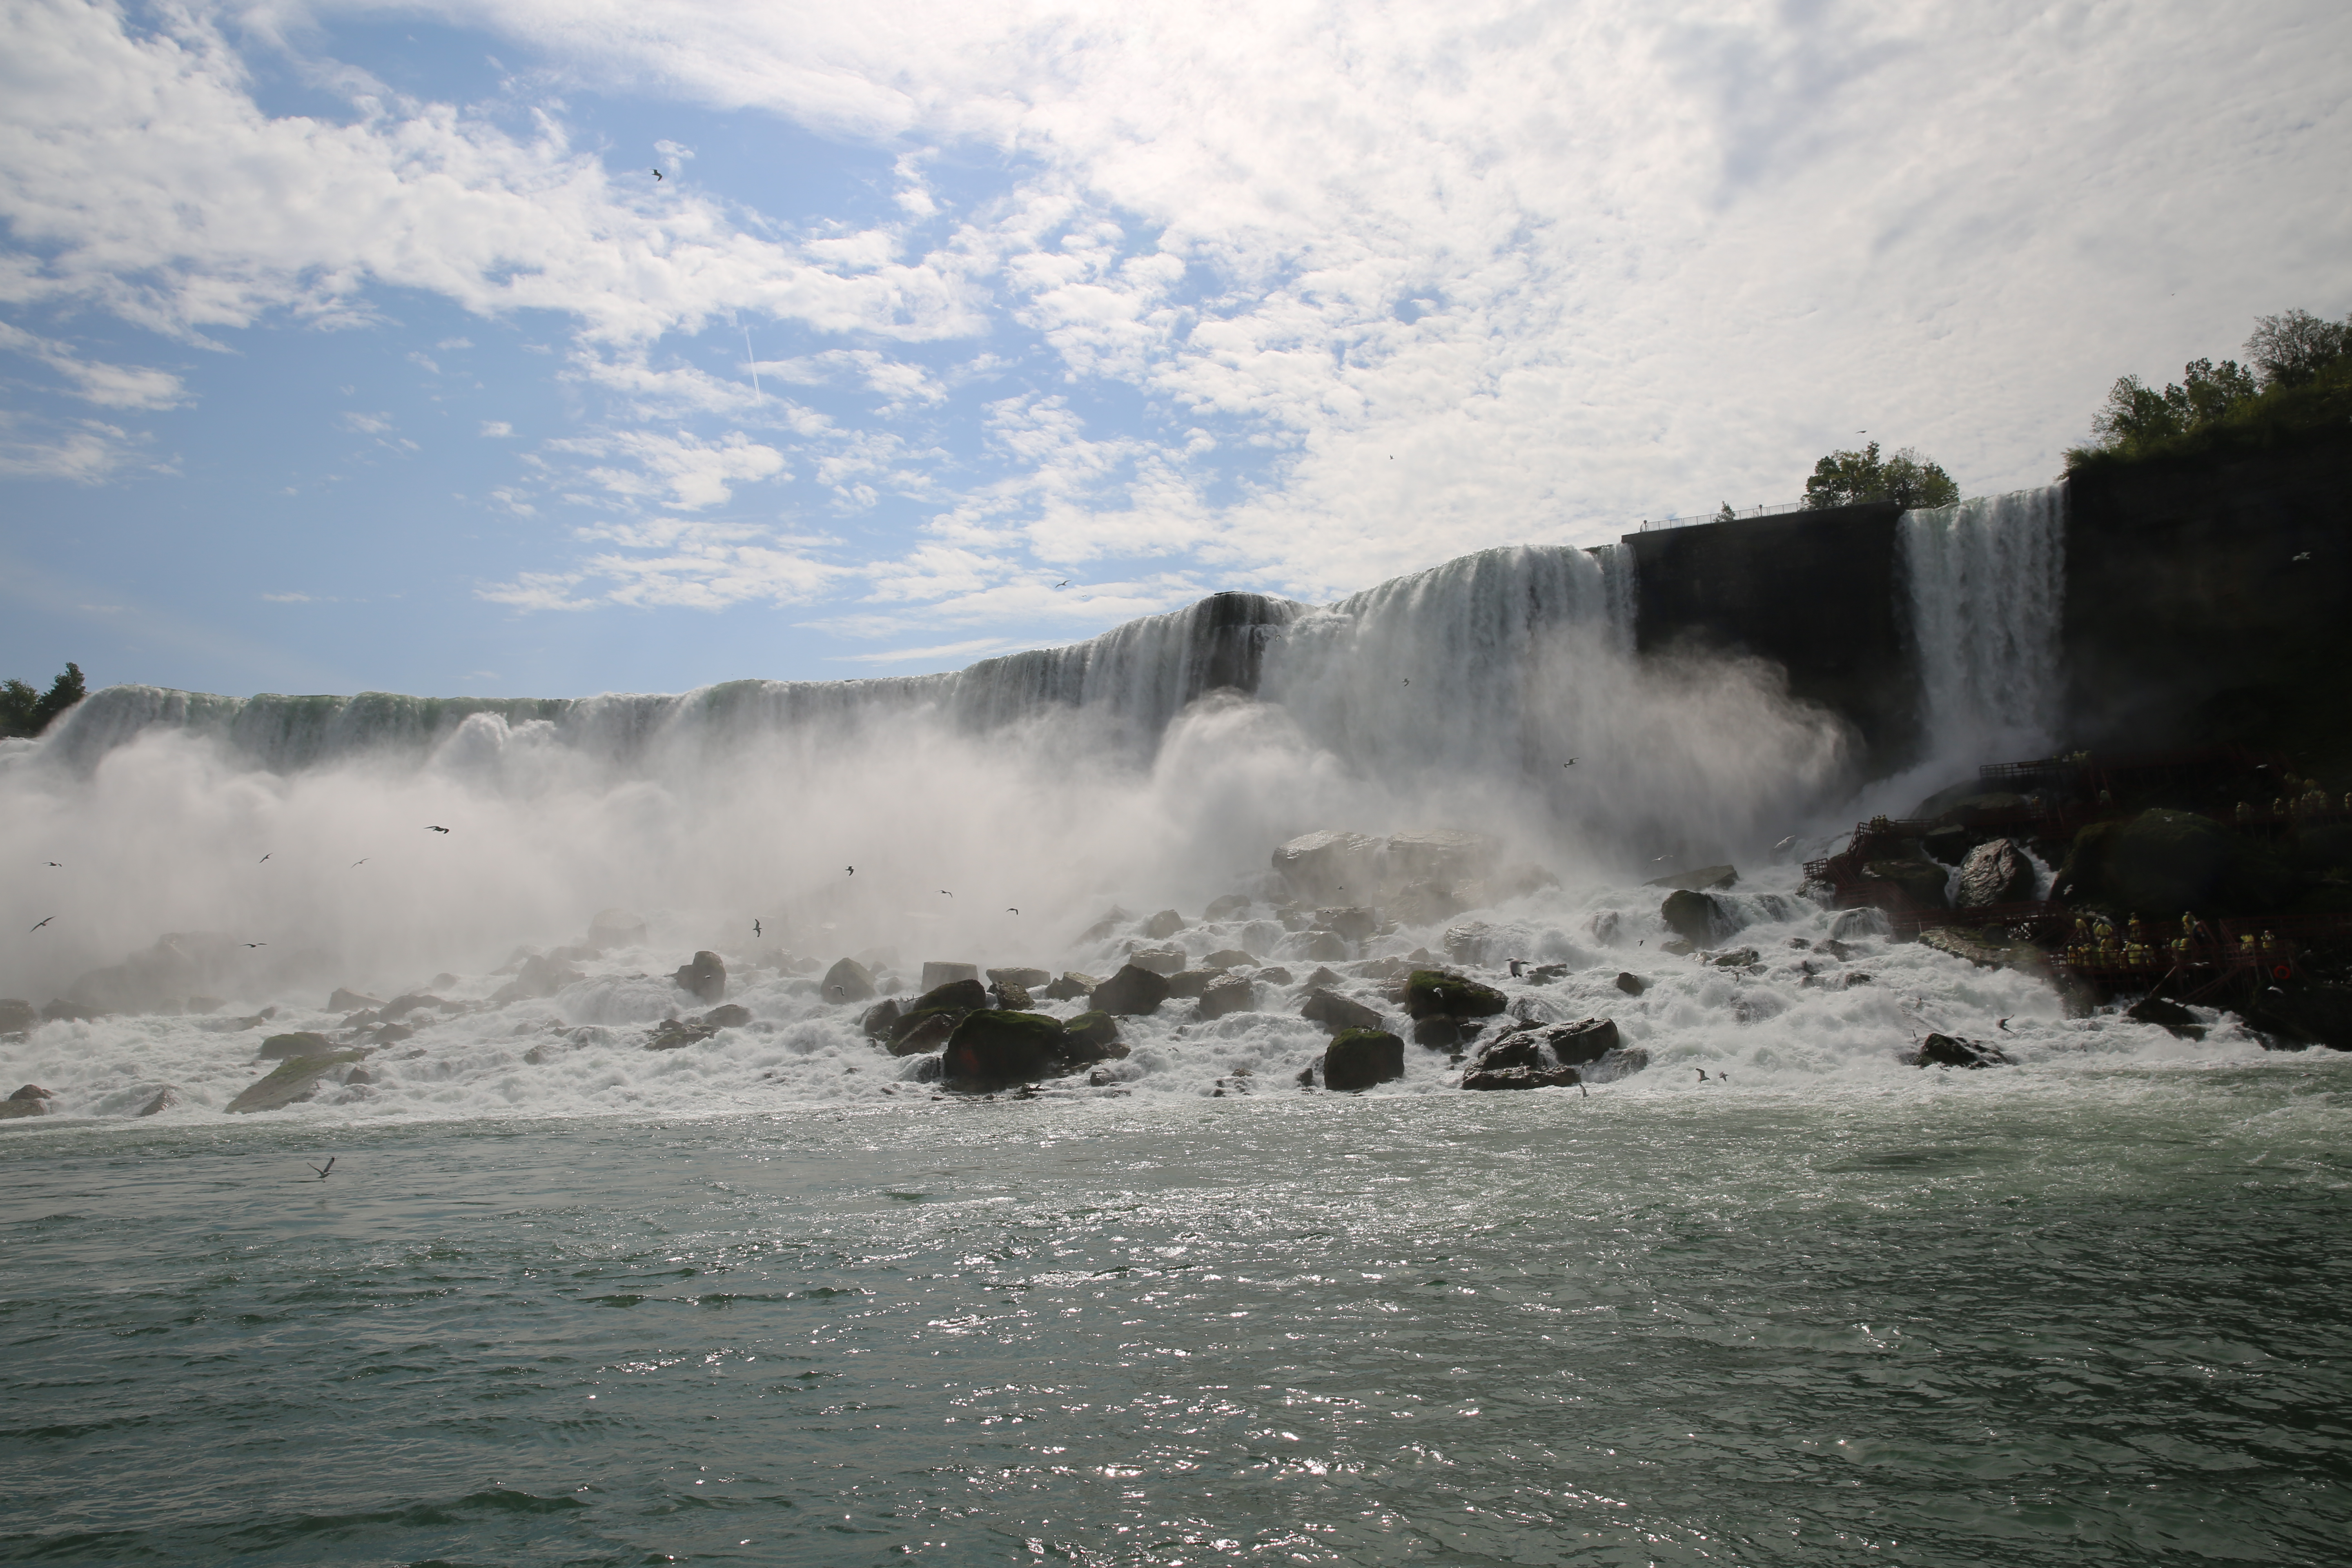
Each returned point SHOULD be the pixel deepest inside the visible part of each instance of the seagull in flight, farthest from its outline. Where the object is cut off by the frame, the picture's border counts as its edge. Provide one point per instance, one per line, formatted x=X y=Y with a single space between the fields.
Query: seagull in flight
x=2002 y=1025
x=360 y=862
x=1701 y=1074
x=58 y=864
x=657 y=174
x=945 y=894
x=1569 y=764
x=1062 y=583
x=853 y=870
x=1011 y=910
x=255 y=944
x=322 y=1169
x=2304 y=556
x=42 y=923
x=262 y=860
x=431 y=828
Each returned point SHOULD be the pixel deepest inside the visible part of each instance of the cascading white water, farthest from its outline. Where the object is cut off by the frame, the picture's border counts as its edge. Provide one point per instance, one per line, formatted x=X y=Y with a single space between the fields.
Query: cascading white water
x=1986 y=582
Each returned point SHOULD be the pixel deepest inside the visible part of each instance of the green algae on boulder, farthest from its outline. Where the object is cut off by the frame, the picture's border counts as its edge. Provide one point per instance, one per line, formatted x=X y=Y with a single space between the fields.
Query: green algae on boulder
x=1432 y=991
x=294 y=1080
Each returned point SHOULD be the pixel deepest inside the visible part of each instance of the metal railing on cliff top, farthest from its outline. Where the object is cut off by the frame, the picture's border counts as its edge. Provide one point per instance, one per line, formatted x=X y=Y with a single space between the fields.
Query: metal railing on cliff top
x=1653 y=524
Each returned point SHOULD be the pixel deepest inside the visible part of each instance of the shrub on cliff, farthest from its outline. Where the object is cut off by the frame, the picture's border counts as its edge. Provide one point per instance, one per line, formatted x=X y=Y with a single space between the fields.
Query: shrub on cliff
x=1906 y=478
x=2297 y=379
x=24 y=711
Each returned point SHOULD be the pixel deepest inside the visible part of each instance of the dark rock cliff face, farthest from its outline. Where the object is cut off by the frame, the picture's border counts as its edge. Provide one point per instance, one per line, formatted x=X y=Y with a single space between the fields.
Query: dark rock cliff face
x=1818 y=593
x=2207 y=600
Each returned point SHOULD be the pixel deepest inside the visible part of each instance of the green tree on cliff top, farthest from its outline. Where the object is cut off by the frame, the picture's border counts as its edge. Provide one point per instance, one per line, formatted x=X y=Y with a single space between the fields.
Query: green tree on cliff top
x=24 y=711
x=2297 y=378
x=1906 y=478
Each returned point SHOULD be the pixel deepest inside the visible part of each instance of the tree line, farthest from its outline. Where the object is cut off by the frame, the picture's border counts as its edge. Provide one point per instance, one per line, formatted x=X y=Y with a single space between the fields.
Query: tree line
x=2297 y=378
x=26 y=712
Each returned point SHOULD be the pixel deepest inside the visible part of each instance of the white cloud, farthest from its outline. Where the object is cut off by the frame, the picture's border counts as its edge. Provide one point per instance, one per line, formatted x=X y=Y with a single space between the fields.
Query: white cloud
x=85 y=451
x=496 y=429
x=677 y=563
x=364 y=423
x=693 y=473
x=108 y=385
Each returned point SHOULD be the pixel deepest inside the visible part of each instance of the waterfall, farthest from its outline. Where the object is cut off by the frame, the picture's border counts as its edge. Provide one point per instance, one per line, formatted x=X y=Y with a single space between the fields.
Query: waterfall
x=1987 y=587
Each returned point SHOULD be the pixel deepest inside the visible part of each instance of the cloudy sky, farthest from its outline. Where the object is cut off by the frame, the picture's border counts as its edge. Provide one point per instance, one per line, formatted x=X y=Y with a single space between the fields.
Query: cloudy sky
x=351 y=345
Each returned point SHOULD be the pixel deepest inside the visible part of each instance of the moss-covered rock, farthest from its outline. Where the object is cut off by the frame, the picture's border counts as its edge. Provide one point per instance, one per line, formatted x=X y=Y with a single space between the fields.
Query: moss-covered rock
x=293 y=1081
x=288 y=1048
x=923 y=1029
x=1428 y=991
x=1690 y=915
x=1093 y=1036
x=2164 y=861
x=1358 y=1058
x=1133 y=991
x=1918 y=879
x=991 y=1049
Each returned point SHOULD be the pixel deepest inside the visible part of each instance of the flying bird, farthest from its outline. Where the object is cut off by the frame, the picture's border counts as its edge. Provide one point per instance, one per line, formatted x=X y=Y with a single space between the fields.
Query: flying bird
x=2002 y=1025
x=430 y=829
x=1062 y=583
x=262 y=860
x=1569 y=764
x=58 y=864
x=42 y=923
x=1011 y=910
x=853 y=870
x=755 y=928
x=322 y=1169
x=1701 y=1074
x=945 y=894
x=255 y=945
x=360 y=862
x=2304 y=556
x=657 y=174
x=1786 y=842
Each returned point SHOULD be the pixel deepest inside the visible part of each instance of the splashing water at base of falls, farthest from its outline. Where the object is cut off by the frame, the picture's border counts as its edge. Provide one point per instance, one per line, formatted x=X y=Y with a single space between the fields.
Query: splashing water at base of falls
x=1986 y=580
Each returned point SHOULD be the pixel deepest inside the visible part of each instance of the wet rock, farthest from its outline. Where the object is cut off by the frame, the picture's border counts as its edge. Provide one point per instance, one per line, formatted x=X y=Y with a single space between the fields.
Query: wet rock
x=1586 y=1040
x=1918 y=879
x=59 y=1010
x=1425 y=903
x=401 y=1007
x=1546 y=973
x=1838 y=950
x=1337 y=1013
x=345 y=1001
x=1622 y=1062
x=991 y=1049
x=2167 y=1014
x=16 y=1015
x=2308 y=1015
x=1274 y=974
x=1358 y=1058
x=542 y=976
x=1228 y=958
x=936 y=973
x=1071 y=986
x=32 y=1092
x=1324 y=947
x=30 y=1100
x=1987 y=948
x=1096 y=1033
x=1952 y=1051
x=1163 y=925
x=1228 y=907
x=1027 y=979
x=1353 y=924
x=1850 y=925
x=965 y=993
x=1159 y=960
x=1227 y=993
x=1522 y=1078
x=1191 y=983
x=1705 y=879
x=1690 y=915
x=704 y=976
x=1737 y=958
x=1676 y=946
x=1994 y=873
x=616 y=928
x=285 y=1047
x=1632 y=985
x=389 y=1034
x=1323 y=977
x=1010 y=996
x=877 y=1019
x=1432 y=991
x=1516 y=1061
x=1105 y=927
x=1320 y=865
x=731 y=1017
x=294 y=1080
x=166 y=1098
x=924 y=1030
x=676 y=1034
x=1133 y=991
x=847 y=980
x=1438 y=1031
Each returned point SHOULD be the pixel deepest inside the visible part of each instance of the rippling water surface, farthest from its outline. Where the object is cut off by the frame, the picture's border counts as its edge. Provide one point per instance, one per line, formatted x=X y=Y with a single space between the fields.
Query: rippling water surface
x=1997 y=1318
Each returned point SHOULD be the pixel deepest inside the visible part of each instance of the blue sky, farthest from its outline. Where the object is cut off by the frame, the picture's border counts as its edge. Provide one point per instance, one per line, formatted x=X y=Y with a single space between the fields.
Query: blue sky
x=355 y=346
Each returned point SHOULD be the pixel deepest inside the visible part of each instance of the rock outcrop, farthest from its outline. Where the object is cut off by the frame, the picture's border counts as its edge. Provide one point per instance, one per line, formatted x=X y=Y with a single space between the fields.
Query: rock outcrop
x=287 y=1047
x=343 y=1001
x=1516 y=1061
x=2164 y=861
x=1952 y=1051
x=847 y=980
x=1994 y=873
x=1690 y=915
x=704 y=976
x=294 y=1080
x=1358 y=1058
x=1071 y=986
x=1027 y=979
x=1133 y=991
x=16 y=1015
x=1159 y=960
x=1428 y=991
x=1227 y=993
x=1337 y=1013
x=1632 y=985
x=1705 y=880
x=1164 y=925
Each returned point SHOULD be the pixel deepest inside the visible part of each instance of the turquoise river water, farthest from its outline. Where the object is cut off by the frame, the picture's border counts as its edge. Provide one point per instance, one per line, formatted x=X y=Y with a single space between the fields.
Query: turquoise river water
x=2095 y=1316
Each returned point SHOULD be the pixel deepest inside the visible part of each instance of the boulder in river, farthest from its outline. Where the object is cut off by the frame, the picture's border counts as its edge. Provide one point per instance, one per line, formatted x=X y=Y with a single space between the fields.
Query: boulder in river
x=2316 y=1014
x=1164 y=925
x=991 y=1048
x=1354 y=922
x=1335 y=1012
x=1094 y=1033
x=703 y=976
x=1438 y=1031
x=1586 y=1040
x=1704 y=879
x=848 y=980
x=1918 y=879
x=537 y=977
x=878 y=1018
x=924 y=1029
x=1227 y=906
x=2166 y=1015
x=1994 y=873
x=287 y=1047
x=1358 y=1058
x=166 y=1098
x=1027 y=979
x=345 y=1001
x=734 y=1016
x=1430 y=990
x=2163 y=861
x=1632 y=985
x=964 y=993
x=1010 y=996
x=1690 y=915
x=16 y=1015
x=1227 y=993
x=1159 y=960
x=1071 y=986
x=1229 y=958
x=293 y=1081
x=1134 y=990
x=1952 y=1051
x=1188 y=982
x=1516 y=1061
